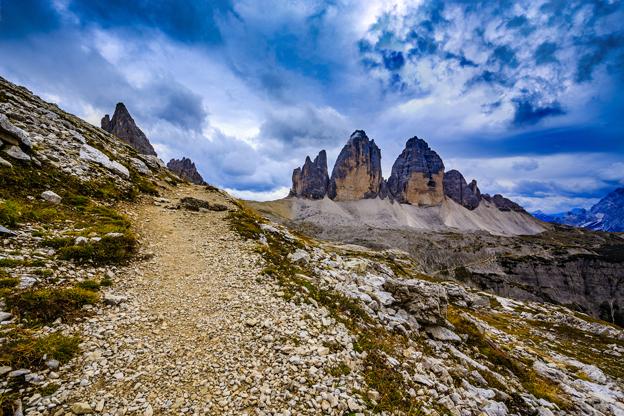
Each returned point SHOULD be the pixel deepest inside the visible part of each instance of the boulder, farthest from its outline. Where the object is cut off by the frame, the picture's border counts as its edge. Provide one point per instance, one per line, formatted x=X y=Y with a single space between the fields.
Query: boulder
x=16 y=153
x=417 y=175
x=357 y=172
x=312 y=180
x=81 y=408
x=185 y=168
x=123 y=126
x=11 y=134
x=426 y=302
x=140 y=166
x=91 y=154
x=441 y=333
x=5 y=232
x=456 y=188
x=5 y=163
x=51 y=197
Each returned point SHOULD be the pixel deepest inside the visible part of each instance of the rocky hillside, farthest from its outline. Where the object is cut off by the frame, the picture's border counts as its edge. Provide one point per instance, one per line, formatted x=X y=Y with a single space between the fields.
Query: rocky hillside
x=606 y=215
x=125 y=291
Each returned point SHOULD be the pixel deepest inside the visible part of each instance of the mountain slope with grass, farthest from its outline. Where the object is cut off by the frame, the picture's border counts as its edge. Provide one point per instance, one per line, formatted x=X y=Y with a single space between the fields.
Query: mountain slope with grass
x=126 y=291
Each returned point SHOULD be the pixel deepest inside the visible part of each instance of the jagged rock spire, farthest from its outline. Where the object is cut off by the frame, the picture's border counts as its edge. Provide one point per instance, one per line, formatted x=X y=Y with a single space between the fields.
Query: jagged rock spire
x=185 y=168
x=311 y=180
x=123 y=126
x=357 y=172
x=417 y=175
x=456 y=188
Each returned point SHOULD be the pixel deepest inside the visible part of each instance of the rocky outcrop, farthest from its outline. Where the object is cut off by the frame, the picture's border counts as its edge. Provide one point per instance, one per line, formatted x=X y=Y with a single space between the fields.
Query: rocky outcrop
x=312 y=180
x=417 y=175
x=123 y=126
x=502 y=203
x=185 y=168
x=456 y=188
x=357 y=172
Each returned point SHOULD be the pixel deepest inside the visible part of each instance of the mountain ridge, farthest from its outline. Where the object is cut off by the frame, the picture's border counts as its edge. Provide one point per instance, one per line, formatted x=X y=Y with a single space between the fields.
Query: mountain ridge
x=606 y=215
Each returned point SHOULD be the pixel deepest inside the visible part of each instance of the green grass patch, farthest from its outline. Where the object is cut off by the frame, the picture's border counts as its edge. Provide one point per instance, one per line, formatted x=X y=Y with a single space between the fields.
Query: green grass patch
x=92 y=285
x=10 y=213
x=22 y=349
x=8 y=282
x=340 y=369
x=109 y=250
x=46 y=305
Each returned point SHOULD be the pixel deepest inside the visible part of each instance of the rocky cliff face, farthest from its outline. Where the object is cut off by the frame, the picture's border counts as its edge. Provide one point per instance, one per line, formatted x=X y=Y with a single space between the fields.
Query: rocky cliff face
x=357 y=172
x=185 y=168
x=312 y=180
x=456 y=188
x=123 y=126
x=417 y=175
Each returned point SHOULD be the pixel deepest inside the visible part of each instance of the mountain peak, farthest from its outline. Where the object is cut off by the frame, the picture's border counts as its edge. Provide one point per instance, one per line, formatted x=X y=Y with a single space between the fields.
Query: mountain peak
x=186 y=169
x=123 y=126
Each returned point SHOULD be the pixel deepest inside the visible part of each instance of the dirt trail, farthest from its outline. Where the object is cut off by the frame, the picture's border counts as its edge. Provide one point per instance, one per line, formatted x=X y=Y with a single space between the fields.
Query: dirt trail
x=202 y=331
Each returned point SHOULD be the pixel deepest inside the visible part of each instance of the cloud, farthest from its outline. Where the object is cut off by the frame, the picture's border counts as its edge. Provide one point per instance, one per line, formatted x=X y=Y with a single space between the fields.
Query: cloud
x=529 y=89
x=528 y=113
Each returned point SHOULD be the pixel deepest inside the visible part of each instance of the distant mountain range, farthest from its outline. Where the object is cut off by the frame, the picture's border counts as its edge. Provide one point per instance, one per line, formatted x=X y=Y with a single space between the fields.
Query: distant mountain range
x=606 y=215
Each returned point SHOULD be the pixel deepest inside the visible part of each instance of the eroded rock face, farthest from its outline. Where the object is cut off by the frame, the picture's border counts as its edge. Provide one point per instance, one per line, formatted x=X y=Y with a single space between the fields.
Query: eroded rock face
x=456 y=188
x=186 y=169
x=357 y=172
x=312 y=180
x=427 y=302
x=502 y=203
x=123 y=126
x=417 y=175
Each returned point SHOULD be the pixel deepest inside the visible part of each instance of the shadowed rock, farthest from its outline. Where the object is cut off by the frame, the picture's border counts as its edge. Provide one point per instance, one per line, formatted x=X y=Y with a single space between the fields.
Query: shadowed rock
x=186 y=169
x=456 y=188
x=311 y=180
x=123 y=126
x=357 y=172
x=502 y=203
x=417 y=175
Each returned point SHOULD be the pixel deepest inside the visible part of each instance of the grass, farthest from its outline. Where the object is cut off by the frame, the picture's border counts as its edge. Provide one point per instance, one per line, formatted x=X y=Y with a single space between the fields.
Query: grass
x=8 y=282
x=22 y=349
x=10 y=213
x=42 y=306
x=340 y=369
x=92 y=285
x=109 y=250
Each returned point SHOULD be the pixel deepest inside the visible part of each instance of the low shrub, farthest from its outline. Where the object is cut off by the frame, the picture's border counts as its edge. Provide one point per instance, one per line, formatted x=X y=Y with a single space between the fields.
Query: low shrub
x=10 y=213
x=92 y=285
x=8 y=282
x=23 y=350
x=108 y=250
x=47 y=305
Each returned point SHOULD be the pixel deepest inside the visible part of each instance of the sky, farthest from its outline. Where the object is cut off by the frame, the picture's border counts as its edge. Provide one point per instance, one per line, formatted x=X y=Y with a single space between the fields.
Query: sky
x=524 y=96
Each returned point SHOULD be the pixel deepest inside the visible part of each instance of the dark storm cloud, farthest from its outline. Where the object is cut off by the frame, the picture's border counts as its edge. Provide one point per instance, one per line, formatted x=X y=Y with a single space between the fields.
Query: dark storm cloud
x=180 y=106
x=189 y=21
x=528 y=113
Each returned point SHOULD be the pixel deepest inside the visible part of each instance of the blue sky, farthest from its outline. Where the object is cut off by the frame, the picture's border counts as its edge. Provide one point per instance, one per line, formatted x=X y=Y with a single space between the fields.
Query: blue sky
x=524 y=96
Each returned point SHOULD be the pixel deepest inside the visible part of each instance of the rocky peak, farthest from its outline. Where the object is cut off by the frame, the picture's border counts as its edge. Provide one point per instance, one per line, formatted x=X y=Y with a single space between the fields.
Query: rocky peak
x=502 y=203
x=417 y=175
x=357 y=172
x=185 y=168
x=456 y=188
x=312 y=180
x=123 y=126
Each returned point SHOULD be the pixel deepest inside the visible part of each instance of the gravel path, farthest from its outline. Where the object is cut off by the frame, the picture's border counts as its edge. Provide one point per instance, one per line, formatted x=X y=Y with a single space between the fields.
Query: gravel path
x=203 y=332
